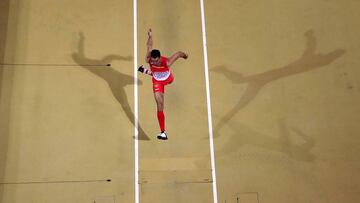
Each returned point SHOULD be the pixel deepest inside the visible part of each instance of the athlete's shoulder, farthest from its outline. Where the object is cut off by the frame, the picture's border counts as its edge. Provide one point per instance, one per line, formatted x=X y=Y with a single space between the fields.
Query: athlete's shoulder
x=164 y=60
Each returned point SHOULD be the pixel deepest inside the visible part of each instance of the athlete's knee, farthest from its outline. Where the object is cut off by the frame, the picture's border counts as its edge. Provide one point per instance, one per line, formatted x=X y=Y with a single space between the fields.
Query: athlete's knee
x=159 y=102
x=160 y=106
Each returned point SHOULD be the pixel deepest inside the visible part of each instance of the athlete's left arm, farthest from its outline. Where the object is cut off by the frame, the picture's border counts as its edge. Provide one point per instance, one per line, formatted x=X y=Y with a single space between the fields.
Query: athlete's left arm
x=175 y=57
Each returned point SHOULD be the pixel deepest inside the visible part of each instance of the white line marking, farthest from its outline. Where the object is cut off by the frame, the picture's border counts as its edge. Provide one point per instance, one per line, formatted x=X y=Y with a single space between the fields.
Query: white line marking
x=212 y=154
x=136 y=131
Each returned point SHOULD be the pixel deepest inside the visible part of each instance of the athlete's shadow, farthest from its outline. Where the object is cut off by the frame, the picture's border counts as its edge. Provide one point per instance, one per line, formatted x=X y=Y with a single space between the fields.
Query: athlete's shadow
x=116 y=80
x=308 y=61
x=245 y=135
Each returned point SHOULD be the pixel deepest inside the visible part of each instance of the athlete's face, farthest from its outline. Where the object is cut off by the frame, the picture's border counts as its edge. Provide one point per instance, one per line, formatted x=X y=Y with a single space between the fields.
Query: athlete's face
x=155 y=60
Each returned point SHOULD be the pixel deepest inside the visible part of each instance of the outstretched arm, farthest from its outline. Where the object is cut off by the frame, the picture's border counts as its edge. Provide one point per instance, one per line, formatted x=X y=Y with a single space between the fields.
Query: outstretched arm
x=142 y=69
x=149 y=45
x=175 y=57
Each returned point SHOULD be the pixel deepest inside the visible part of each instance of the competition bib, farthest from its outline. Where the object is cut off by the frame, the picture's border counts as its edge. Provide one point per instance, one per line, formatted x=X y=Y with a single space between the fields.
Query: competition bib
x=161 y=76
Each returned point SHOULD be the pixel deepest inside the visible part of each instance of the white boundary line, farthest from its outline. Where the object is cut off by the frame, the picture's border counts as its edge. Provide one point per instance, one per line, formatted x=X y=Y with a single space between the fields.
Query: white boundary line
x=136 y=131
x=212 y=154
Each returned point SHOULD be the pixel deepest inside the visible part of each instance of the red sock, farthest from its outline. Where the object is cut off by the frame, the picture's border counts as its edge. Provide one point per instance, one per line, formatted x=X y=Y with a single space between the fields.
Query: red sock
x=161 y=118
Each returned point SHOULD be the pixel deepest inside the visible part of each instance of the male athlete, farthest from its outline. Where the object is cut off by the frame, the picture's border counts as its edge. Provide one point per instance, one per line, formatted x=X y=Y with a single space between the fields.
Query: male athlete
x=161 y=76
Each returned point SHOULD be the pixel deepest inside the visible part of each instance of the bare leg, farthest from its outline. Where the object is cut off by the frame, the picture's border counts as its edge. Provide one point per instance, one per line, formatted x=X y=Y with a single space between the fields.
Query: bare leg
x=159 y=98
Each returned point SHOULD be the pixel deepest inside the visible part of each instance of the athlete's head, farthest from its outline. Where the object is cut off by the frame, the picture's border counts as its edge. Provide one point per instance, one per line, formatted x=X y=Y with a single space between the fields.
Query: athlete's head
x=155 y=56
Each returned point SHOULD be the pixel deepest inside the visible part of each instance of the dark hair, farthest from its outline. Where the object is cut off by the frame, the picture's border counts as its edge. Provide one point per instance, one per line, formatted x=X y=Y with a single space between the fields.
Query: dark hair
x=155 y=53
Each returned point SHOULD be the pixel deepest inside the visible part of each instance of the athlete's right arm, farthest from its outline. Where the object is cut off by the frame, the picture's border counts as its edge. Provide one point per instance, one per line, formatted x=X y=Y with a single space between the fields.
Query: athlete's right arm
x=149 y=45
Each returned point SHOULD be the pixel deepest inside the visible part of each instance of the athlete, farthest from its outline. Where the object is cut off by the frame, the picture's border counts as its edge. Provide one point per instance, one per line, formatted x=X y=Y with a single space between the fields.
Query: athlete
x=161 y=76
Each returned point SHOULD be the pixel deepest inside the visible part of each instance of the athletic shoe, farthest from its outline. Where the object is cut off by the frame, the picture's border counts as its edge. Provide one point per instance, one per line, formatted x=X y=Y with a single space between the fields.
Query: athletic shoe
x=162 y=136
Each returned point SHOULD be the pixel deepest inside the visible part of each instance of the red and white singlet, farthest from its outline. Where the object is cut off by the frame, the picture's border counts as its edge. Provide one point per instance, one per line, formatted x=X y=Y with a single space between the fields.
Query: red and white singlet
x=161 y=75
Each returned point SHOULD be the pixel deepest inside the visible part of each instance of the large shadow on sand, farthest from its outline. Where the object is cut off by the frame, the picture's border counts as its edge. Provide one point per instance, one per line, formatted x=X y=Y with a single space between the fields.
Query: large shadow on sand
x=309 y=60
x=116 y=80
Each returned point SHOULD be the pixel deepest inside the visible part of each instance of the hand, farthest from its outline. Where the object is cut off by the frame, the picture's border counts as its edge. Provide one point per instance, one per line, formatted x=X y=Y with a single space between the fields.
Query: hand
x=141 y=69
x=150 y=33
x=185 y=56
